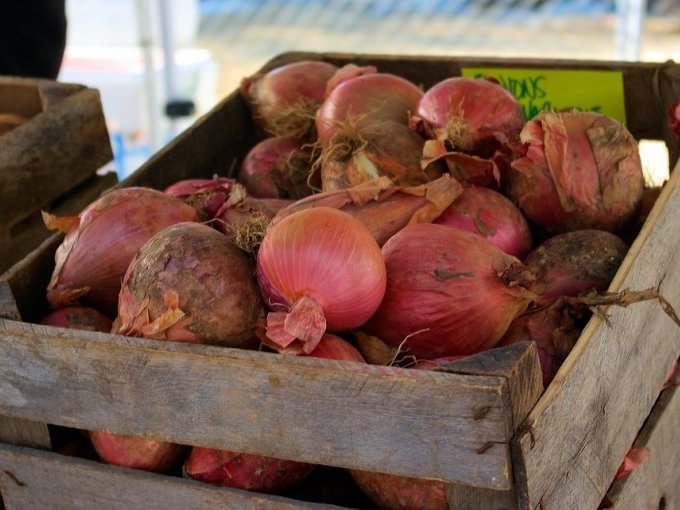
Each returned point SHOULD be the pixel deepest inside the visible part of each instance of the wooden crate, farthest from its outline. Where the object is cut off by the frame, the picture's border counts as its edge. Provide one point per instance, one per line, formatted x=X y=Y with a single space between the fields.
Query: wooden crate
x=50 y=161
x=484 y=428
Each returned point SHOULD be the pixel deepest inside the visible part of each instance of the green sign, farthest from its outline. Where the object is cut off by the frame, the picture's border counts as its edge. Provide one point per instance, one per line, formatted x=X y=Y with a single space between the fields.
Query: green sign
x=556 y=89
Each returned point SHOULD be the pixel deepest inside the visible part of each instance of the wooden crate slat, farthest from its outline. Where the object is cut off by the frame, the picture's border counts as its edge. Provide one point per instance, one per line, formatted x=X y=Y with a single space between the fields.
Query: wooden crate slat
x=344 y=414
x=33 y=479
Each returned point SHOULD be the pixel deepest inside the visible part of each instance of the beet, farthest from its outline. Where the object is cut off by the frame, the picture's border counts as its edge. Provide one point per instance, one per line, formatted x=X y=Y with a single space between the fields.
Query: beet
x=190 y=283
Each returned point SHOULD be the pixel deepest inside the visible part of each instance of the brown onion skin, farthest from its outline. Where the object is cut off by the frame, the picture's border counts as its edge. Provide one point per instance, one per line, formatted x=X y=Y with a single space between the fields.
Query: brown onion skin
x=78 y=317
x=204 y=195
x=581 y=170
x=212 y=278
x=491 y=215
x=574 y=262
x=449 y=292
x=137 y=452
x=96 y=252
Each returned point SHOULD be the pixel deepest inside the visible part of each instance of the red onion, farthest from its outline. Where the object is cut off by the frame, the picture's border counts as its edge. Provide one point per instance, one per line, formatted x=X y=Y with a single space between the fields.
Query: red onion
x=674 y=120
x=491 y=215
x=137 y=452
x=103 y=239
x=581 y=170
x=347 y=72
x=277 y=167
x=189 y=283
x=394 y=492
x=574 y=262
x=78 y=317
x=318 y=269
x=285 y=99
x=9 y=121
x=634 y=457
x=382 y=207
x=449 y=292
x=204 y=195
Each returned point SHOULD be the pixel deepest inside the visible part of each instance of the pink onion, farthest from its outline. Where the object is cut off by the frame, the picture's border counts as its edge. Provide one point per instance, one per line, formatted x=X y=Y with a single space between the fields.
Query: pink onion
x=204 y=195
x=674 y=120
x=491 y=215
x=394 y=492
x=284 y=100
x=78 y=317
x=318 y=269
x=581 y=170
x=137 y=452
x=189 y=283
x=574 y=262
x=277 y=167
x=449 y=292
x=103 y=239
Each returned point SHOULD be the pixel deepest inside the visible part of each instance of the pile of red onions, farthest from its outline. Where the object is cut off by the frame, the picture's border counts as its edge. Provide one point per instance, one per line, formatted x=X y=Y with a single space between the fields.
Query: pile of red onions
x=491 y=215
x=581 y=170
x=449 y=292
x=189 y=283
x=204 y=195
x=318 y=269
x=101 y=242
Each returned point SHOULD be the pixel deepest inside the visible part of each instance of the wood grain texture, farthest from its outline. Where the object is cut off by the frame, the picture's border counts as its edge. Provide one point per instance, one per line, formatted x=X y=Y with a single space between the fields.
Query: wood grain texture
x=465 y=497
x=410 y=422
x=654 y=484
x=576 y=436
x=49 y=155
x=32 y=479
x=24 y=433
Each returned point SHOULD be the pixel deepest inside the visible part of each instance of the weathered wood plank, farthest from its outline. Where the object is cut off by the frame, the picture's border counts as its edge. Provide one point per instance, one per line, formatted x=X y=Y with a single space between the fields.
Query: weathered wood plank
x=50 y=154
x=33 y=479
x=335 y=413
x=24 y=433
x=576 y=436
x=464 y=497
x=656 y=482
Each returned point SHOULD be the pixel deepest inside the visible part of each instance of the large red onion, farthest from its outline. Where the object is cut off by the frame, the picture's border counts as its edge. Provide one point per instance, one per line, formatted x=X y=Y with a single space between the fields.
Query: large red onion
x=190 y=283
x=394 y=492
x=318 y=269
x=491 y=215
x=277 y=167
x=382 y=207
x=103 y=239
x=574 y=262
x=581 y=170
x=204 y=195
x=284 y=100
x=449 y=292
x=78 y=317
x=137 y=452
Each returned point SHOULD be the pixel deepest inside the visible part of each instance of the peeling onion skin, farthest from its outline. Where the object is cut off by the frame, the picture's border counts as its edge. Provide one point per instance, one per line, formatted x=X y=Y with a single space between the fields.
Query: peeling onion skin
x=93 y=257
x=211 y=278
x=449 y=292
x=581 y=170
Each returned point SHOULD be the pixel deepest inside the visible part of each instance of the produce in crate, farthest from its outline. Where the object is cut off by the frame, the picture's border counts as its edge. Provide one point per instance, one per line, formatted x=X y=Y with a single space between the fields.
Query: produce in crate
x=102 y=240
x=449 y=292
x=9 y=121
x=491 y=215
x=318 y=269
x=383 y=207
x=277 y=167
x=137 y=452
x=283 y=101
x=581 y=170
x=189 y=283
x=78 y=317
x=472 y=124
x=204 y=195
x=259 y=472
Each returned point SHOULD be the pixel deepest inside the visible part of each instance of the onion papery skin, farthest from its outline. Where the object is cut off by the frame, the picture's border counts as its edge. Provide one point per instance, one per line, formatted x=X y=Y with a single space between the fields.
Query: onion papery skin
x=232 y=214
x=284 y=99
x=78 y=317
x=382 y=207
x=318 y=269
x=190 y=283
x=245 y=470
x=137 y=452
x=581 y=170
x=449 y=292
x=96 y=251
x=276 y=167
x=473 y=115
x=574 y=262
x=366 y=100
x=491 y=215
x=204 y=195
x=394 y=492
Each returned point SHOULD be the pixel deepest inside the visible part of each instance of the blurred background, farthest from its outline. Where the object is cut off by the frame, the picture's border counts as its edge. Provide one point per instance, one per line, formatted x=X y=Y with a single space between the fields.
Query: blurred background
x=160 y=64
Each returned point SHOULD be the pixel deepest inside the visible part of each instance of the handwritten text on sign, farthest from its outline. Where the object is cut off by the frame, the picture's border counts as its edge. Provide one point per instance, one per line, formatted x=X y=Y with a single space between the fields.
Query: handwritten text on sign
x=556 y=89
